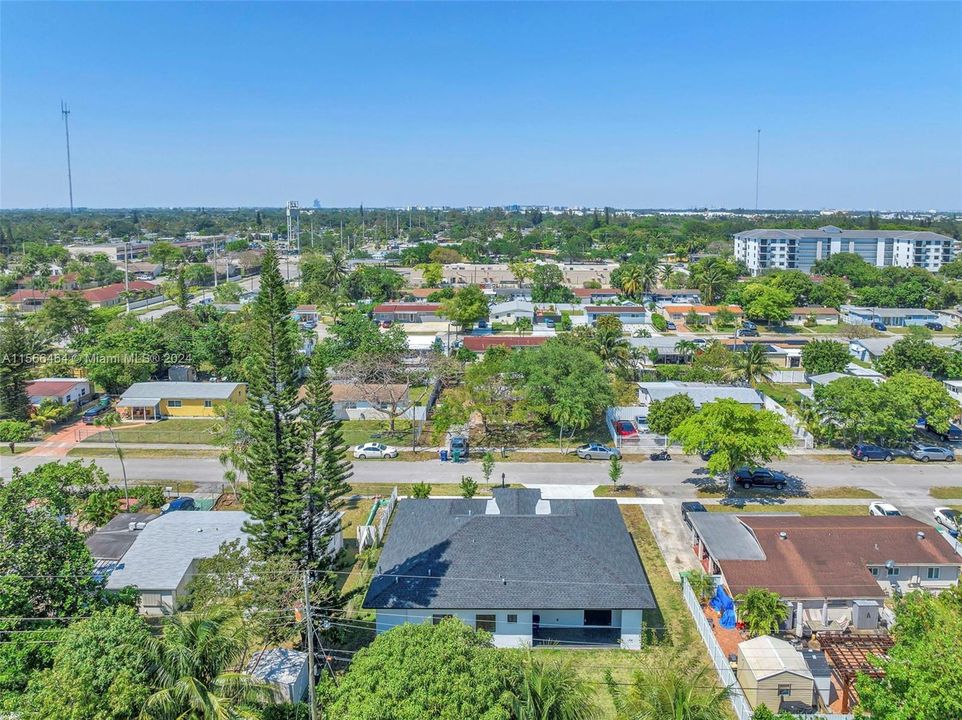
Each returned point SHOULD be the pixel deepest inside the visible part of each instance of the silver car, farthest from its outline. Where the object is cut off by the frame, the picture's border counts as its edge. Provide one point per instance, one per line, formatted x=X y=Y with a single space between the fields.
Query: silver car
x=924 y=453
x=597 y=451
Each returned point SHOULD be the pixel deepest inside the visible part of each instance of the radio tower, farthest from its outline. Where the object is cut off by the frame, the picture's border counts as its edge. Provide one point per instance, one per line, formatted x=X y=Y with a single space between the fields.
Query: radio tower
x=65 y=111
x=293 y=225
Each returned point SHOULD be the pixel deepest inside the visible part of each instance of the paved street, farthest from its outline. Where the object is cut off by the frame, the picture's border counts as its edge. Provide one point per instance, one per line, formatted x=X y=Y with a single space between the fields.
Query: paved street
x=677 y=479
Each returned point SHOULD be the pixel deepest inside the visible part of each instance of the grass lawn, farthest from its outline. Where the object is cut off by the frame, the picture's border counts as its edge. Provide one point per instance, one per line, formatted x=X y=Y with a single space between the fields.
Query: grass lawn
x=847 y=492
x=681 y=637
x=620 y=491
x=820 y=329
x=809 y=510
x=142 y=453
x=782 y=393
x=950 y=492
x=5 y=450
x=188 y=431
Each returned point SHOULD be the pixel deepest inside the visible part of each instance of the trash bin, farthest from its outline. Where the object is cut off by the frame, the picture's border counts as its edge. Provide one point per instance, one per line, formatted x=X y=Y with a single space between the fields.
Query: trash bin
x=456 y=456
x=444 y=455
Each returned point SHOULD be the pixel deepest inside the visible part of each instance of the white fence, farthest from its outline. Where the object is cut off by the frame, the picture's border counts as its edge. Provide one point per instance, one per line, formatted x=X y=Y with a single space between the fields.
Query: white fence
x=803 y=438
x=743 y=710
x=371 y=535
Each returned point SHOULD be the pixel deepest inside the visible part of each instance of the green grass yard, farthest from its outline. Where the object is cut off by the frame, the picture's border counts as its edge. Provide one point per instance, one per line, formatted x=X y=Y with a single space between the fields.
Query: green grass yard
x=951 y=492
x=186 y=431
x=846 y=492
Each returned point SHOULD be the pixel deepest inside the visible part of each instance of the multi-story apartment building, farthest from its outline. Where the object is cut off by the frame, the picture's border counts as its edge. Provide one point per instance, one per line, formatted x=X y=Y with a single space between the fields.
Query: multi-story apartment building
x=797 y=249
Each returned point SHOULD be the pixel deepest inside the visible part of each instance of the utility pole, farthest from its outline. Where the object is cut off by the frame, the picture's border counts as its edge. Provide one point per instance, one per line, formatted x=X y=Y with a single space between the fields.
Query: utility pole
x=65 y=111
x=758 y=160
x=310 y=649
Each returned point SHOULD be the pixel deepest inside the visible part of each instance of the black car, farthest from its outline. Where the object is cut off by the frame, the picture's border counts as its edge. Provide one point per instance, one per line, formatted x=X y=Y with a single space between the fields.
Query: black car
x=691 y=506
x=760 y=477
x=934 y=326
x=748 y=332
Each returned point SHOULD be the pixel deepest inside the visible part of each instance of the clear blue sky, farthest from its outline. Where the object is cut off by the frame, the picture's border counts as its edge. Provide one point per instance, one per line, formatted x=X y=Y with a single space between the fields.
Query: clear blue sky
x=642 y=105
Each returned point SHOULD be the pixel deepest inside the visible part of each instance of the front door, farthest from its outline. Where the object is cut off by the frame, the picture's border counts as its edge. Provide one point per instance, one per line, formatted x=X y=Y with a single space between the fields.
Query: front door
x=597 y=618
x=535 y=622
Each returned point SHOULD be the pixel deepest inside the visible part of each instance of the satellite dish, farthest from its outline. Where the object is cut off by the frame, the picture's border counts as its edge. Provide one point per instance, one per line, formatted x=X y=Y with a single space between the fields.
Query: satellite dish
x=890 y=564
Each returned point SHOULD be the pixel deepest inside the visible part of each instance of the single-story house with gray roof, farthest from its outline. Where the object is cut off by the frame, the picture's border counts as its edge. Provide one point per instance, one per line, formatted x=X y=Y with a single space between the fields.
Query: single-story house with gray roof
x=700 y=393
x=526 y=569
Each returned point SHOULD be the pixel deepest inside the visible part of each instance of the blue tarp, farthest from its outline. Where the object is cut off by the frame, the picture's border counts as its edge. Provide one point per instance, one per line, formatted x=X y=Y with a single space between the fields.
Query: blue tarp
x=724 y=606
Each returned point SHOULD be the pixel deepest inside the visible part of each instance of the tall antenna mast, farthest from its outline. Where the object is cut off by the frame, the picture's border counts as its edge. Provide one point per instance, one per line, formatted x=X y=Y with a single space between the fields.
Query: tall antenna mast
x=65 y=111
x=758 y=160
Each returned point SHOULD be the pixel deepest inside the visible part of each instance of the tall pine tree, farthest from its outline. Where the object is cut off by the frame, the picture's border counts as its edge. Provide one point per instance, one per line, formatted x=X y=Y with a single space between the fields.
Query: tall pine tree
x=275 y=455
x=15 y=346
x=327 y=468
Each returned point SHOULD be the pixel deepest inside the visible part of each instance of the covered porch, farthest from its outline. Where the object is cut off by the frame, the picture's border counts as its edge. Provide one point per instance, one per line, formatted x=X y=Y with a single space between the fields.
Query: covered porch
x=583 y=637
x=594 y=628
x=140 y=409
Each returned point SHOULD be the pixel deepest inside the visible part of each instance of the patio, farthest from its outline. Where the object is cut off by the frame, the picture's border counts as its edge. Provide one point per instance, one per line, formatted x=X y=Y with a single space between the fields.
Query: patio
x=583 y=637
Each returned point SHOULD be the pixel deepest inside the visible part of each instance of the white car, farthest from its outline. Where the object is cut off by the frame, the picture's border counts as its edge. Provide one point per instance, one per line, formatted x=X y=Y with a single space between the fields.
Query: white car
x=374 y=450
x=948 y=518
x=883 y=509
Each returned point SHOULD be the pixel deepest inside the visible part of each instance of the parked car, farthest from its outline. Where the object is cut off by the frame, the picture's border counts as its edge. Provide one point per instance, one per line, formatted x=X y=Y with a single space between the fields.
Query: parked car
x=459 y=445
x=625 y=428
x=374 y=450
x=883 y=509
x=866 y=451
x=387 y=323
x=549 y=323
x=482 y=324
x=706 y=454
x=760 y=477
x=879 y=326
x=691 y=506
x=949 y=519
x=597 y=451
x=670 y=326
x=206 y=301
x=309 y=324
x=934 y=326
x=181 y=503
x=749 y=325
x=90 y=415
x=954 y=433
x=747 y=332
x=924 y=453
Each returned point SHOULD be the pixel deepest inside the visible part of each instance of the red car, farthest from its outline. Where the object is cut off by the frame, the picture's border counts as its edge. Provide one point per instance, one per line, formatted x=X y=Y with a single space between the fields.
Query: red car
x=625 y=428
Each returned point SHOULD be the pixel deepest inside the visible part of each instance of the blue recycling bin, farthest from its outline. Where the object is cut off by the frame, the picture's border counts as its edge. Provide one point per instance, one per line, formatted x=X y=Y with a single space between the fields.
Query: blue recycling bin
x=443 y=455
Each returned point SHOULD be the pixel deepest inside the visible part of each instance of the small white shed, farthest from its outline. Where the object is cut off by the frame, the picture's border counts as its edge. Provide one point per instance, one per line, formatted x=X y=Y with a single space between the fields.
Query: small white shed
x=286 y=670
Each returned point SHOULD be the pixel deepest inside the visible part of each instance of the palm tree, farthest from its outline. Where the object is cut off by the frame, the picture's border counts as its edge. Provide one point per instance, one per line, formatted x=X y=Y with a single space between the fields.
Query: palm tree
x=522 y=325
x=552 y=689
x=649 y=275
x=631 y=280
x=193 y=670
x=336 y=269
x=761 y=610
x=664 y=274
x=680 y=691
x=686 y=348
x=702 y=584
x=751 y=366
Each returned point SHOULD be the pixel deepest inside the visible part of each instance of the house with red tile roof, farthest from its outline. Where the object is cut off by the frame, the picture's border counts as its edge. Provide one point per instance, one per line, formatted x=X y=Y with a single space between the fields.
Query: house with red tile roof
x=30 y=300
x=705 y=313
x=61 y=390
x=407 y=312
x=111 y=294
x=480 y=343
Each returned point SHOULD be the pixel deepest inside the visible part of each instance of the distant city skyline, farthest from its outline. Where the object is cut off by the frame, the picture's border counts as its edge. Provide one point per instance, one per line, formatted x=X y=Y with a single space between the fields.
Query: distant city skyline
x=636 y=106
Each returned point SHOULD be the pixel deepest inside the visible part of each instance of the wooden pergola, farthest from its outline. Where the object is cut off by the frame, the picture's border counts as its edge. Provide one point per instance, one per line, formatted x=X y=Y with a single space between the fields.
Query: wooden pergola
x=848 y=654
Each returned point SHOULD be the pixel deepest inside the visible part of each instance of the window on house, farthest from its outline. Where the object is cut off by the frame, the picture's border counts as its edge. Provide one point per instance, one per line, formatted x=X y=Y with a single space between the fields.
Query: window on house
x=487 y=623
x=208 y=403
x=436 y=619
x=933 y=573
x=173 y=403
x=894 y=572
x=874 y=571
x=784 y=689
x=512 y=618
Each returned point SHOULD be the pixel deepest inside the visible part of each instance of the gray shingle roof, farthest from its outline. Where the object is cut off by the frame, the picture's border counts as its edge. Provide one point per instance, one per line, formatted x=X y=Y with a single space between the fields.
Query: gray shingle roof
x=514 y=551
x=701 y=393
x=726 y=536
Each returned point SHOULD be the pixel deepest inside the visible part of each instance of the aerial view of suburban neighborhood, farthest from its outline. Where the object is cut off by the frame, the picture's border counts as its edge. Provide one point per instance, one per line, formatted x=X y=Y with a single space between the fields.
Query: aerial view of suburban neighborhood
x=480 y=361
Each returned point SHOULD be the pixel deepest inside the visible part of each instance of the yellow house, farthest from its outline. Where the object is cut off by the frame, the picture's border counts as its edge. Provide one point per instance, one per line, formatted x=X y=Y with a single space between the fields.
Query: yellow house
x=157 y=400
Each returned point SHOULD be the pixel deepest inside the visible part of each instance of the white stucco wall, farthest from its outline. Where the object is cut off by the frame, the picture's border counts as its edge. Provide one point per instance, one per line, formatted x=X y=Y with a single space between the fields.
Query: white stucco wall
x=631 y=627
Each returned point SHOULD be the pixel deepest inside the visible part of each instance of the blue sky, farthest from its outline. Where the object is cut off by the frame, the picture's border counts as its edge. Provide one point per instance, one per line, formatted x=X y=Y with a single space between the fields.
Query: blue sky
x=630 y=105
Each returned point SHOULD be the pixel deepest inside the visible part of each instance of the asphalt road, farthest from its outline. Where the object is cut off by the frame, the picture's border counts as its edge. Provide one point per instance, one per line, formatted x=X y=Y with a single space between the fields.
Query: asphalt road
x=679 y=478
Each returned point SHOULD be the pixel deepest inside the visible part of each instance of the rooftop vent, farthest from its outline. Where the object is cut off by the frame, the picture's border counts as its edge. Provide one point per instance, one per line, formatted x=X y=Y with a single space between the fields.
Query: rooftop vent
x=783 y=535
x=920 y=535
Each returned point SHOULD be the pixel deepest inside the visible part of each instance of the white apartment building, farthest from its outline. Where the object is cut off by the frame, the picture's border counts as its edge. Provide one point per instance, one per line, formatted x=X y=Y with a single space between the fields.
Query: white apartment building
x=797 y=249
